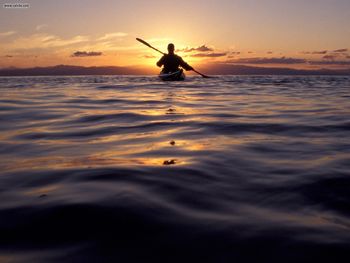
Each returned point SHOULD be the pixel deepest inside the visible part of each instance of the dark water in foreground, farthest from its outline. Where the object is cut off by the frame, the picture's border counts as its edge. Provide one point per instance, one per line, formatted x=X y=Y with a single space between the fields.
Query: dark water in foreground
x=258 y=170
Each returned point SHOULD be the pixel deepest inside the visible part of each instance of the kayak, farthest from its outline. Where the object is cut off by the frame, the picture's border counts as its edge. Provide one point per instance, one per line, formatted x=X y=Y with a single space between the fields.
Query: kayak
x=172 y=76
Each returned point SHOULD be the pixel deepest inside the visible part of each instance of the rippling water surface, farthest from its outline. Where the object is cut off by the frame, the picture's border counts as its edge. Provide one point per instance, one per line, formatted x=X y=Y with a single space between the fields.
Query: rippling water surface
x=130 y=169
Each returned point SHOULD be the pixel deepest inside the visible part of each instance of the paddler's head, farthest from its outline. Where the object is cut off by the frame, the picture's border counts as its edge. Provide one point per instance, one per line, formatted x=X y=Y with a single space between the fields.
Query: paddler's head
x=171 y=48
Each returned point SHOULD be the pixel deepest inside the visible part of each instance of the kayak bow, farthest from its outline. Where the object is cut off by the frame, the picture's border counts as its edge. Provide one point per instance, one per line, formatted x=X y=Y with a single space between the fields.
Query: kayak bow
x=172 y=76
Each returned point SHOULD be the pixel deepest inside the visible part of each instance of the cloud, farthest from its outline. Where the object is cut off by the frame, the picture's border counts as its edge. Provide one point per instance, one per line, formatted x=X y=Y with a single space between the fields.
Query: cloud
x=112 y=36
x=341 y=50
x=263 y=60
x=208 y=55
x=330 y=57
x=42 y=41
x=41 y=27
x=86 y=54
x=320 y=52
x=149 y=56
x=347 y=57
x=8 y=56
x=317 y=52
x=8 y=33
x=331 y=62
x=233 y=54
x=202 y=48
x=269 y=52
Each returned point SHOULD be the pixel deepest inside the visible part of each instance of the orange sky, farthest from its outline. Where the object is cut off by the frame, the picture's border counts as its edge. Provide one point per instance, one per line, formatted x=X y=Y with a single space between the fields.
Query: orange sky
x=297 y=34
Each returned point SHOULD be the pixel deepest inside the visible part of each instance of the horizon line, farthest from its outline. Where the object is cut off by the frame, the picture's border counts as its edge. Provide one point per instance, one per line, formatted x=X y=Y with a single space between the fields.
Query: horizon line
x=238 y=69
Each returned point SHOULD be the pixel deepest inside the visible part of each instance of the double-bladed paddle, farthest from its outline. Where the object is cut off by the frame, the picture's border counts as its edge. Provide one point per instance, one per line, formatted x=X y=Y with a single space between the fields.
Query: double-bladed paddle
x=148 y=45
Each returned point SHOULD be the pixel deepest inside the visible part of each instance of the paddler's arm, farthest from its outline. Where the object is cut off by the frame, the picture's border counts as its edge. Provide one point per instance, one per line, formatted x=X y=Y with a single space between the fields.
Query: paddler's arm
x=184 y=65
x=160 y=63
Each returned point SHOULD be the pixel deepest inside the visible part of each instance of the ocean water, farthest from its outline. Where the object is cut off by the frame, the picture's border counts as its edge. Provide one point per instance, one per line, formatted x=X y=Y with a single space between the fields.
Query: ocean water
x=131 y=169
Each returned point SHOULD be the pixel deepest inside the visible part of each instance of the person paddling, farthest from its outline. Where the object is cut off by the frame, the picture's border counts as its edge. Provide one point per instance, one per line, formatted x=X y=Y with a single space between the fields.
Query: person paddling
x=163 y=60
x=172 y=62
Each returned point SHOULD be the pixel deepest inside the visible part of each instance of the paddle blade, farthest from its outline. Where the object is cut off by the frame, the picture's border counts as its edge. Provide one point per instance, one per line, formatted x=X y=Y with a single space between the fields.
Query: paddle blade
x=143 y=42
x=148 y=45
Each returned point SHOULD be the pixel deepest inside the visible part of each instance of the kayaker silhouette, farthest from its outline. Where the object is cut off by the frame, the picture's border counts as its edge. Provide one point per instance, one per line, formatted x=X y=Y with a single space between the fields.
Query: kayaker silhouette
x=172 y=62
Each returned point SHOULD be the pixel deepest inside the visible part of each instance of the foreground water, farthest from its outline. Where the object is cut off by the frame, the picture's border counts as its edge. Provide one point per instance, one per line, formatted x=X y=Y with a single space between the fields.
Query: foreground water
x=130 y=169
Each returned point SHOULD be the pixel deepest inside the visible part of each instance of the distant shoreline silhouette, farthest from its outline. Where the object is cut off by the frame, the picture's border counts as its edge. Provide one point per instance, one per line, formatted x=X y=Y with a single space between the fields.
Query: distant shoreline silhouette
x=216 y=69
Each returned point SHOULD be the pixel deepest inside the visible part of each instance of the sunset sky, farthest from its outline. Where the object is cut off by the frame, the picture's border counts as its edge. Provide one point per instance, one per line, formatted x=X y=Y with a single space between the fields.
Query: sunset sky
x=284 y=33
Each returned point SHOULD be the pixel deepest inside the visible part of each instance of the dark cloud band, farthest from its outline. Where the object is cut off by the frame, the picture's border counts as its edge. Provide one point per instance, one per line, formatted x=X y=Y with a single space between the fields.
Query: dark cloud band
x=86 y=54
x=263 y=60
